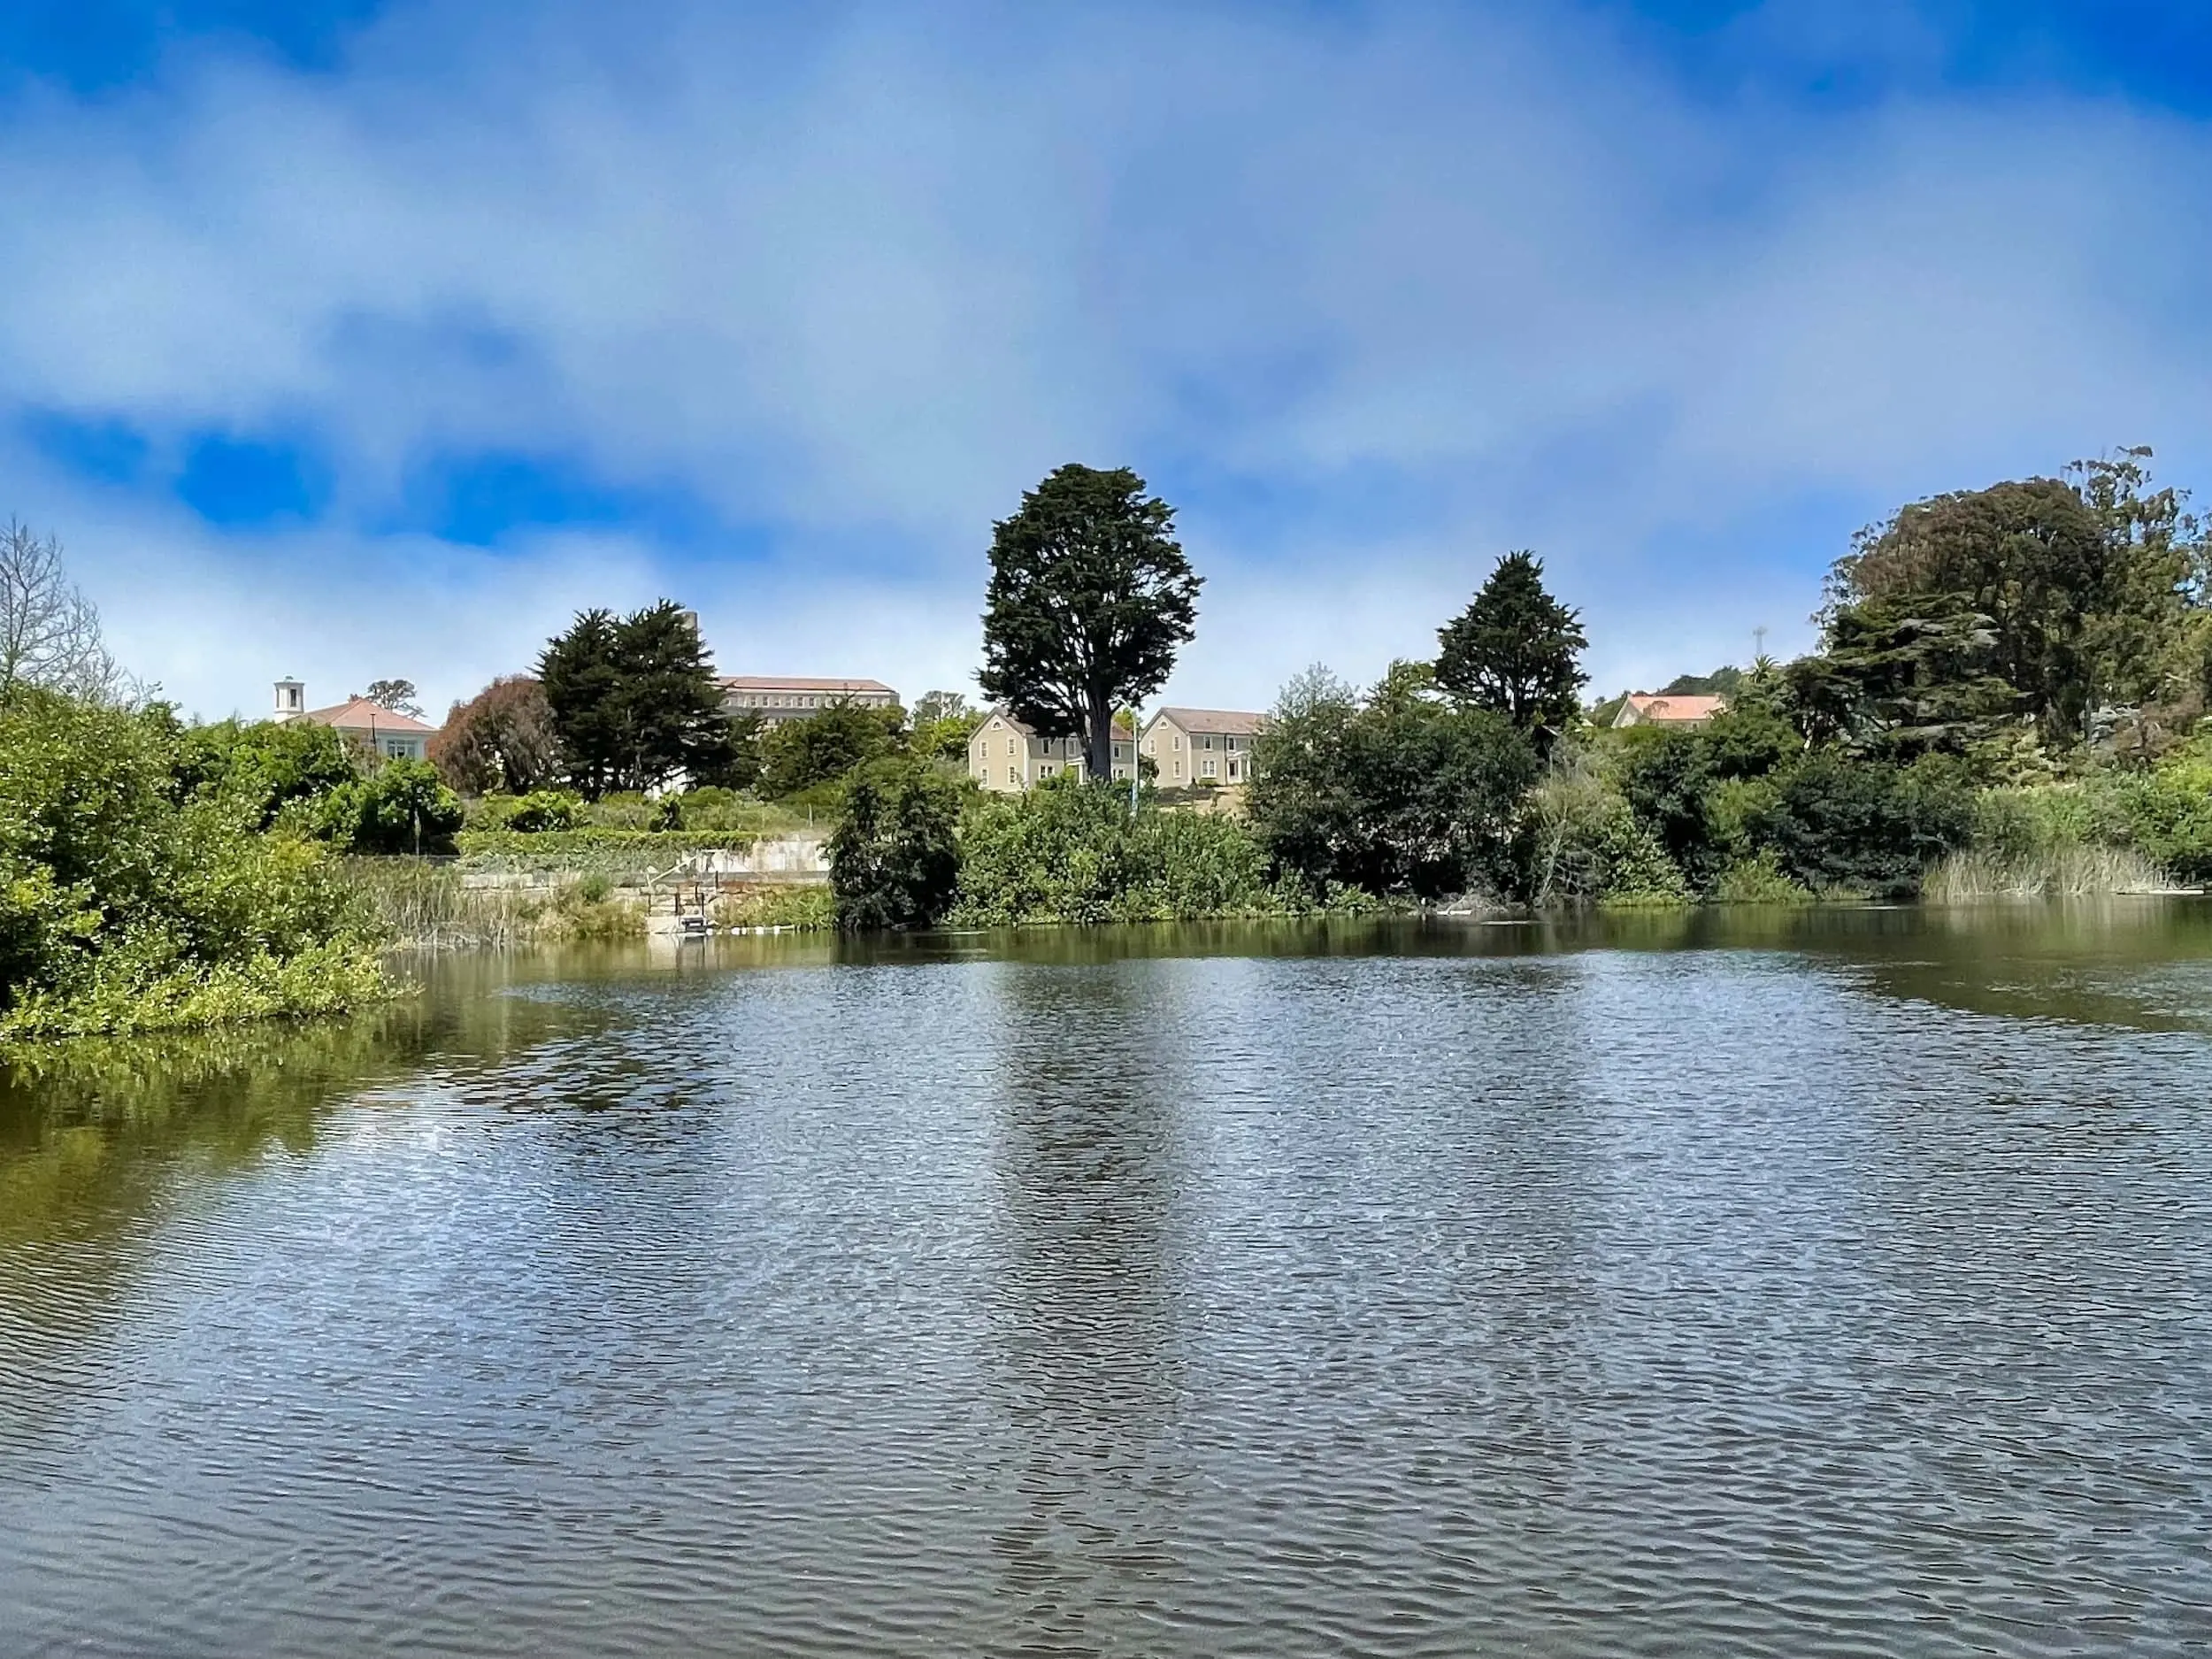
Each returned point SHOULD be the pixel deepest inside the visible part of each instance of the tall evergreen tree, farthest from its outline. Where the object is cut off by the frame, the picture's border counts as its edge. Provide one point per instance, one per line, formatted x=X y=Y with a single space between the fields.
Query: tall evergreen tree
x=1089 y=600
x=634 y=700
x=1515 y=650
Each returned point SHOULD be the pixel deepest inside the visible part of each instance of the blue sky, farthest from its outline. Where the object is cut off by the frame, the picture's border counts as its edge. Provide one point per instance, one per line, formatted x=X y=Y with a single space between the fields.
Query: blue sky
x=347 y=339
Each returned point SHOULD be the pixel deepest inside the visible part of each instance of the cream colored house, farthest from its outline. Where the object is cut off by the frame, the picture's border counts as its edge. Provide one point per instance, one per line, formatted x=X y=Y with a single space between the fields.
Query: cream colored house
x=1007 y=756
x=1192 y=747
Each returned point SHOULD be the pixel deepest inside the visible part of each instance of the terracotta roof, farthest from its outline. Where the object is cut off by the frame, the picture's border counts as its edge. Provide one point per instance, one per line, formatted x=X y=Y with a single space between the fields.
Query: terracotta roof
x=1679 y=711
x=772 y=682
x=1228 y=722
x=359 y=714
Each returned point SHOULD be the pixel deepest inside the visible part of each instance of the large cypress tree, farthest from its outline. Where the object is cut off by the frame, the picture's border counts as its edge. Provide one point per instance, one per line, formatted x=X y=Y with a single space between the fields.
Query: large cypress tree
x=635 y=701
x=1090 y=599
x=1515 y=650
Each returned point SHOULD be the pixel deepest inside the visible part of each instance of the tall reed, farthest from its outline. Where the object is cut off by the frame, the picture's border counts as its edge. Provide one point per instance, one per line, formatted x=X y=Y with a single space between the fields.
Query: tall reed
x=2063 y=870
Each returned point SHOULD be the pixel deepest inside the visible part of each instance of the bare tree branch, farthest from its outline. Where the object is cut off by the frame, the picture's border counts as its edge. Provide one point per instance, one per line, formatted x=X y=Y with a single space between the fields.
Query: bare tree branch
x=49 y=633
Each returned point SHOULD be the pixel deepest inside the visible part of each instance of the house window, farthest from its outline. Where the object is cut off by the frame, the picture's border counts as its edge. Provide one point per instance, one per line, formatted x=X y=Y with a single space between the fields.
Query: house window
x=1010 y=745
x=1206 y=768
x=1014 y=776
x=1178 y=740
x=1179 y=768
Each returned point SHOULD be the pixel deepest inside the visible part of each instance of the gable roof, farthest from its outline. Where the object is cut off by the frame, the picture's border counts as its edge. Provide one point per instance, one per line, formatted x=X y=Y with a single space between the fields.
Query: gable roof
x=1215 y=722
x=786 y=682
x=359 y=714
x=1122 y=727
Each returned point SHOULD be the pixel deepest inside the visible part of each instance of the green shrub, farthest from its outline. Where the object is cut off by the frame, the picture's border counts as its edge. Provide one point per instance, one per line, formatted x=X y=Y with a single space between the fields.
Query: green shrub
x=1581 y=842
x=1836 y=824
x=895 y=858
x=1757 y=879
x=537 y=813
x=826 y=748
x=2167 y=814
x=261 y=769
x=1072 y=852
x=719 y=808
x=807 y=906
x=628 y=811
x=1669 y=781
x=127 y=904
x=1395 y=791
x=401 y=807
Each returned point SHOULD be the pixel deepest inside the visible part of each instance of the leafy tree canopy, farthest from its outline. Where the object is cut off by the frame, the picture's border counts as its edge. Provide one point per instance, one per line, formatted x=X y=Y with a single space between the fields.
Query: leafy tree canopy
x=501 y=739
x=827 y=746
x=401 y=807
x=1722 y=682
x=2085 y=587
x=1393 y=793
x=129 y=901
x=1515 y=650
x=398 y=695
x=894 y=857
x=263 y=767
x=1090 y=599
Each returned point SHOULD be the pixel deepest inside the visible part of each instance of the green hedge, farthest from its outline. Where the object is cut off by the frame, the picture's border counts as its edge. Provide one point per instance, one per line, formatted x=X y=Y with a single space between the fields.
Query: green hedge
x=510 y=843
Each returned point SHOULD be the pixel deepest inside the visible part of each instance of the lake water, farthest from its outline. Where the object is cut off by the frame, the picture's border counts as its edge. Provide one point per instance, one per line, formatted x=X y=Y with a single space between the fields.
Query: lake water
x=1818 y=1283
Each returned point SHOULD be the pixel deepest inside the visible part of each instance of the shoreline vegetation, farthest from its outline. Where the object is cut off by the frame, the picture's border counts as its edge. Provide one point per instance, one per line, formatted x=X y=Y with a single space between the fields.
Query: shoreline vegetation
x=2008 y=703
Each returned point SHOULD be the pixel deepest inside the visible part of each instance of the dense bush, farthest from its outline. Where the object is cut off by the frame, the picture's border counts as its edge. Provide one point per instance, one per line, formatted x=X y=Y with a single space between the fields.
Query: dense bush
x=895 y=858
x=130 y=902
x=262 y=769
x=1836 y=824
x=2166 y=815
x=1072 y=852
x=827 y=747
x=1392 y=793
x=1580 y=842
x=401 y=807
x=533 y=814
x=1669 y=781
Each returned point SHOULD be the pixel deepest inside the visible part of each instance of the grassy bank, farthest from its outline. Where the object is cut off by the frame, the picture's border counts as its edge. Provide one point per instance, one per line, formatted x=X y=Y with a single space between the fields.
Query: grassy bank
x=424 y=904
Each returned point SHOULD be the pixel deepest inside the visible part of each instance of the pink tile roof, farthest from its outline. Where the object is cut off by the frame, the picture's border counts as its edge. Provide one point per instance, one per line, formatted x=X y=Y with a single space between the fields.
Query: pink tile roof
x=1675 y=710
x=359 y=714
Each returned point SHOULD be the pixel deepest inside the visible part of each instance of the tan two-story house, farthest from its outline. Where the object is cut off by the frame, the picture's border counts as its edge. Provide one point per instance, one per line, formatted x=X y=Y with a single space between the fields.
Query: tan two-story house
x=1193 y=747
x=1008 y=757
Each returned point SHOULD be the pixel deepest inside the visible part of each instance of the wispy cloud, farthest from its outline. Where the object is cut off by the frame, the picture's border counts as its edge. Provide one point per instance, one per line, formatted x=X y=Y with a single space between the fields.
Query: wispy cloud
x=777 y=312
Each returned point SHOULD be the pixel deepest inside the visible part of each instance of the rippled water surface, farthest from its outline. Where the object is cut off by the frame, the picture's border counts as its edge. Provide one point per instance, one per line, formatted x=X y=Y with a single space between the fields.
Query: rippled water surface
x=1808 y=1283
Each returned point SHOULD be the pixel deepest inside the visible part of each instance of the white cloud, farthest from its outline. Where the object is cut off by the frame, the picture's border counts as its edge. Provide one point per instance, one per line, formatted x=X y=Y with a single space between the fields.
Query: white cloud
x=861 y=281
